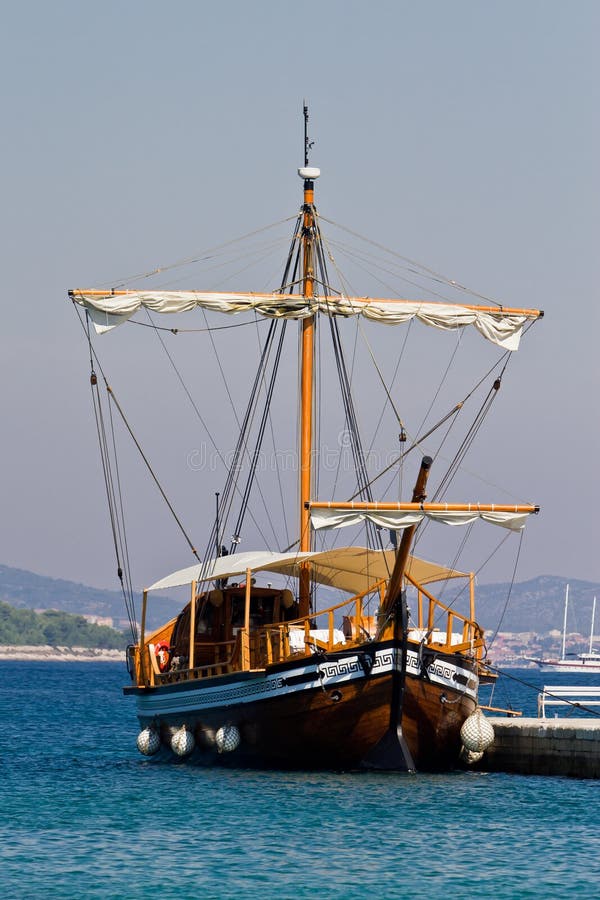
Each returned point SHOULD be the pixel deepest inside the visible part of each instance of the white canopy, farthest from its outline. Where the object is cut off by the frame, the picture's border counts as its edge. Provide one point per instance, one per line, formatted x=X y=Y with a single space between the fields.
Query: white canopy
x=500 y=326
x=351 y=569
x=398 y=519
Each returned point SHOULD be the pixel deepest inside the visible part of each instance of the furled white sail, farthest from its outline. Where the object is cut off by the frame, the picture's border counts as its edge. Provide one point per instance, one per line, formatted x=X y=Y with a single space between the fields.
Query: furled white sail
x=398 y=519
x=499 y=325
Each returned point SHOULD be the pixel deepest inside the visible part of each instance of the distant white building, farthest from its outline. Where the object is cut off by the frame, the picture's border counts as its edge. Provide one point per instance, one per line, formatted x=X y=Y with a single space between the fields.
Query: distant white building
x=99 y=620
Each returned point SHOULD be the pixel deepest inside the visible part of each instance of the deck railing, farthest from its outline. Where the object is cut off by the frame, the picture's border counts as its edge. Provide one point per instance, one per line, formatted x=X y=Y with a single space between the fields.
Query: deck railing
x=255 y=648
x=432 y=619
x=275 y=643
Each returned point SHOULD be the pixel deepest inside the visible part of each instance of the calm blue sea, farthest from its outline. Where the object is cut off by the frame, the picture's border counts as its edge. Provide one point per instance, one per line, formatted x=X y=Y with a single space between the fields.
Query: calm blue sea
x=83 y=815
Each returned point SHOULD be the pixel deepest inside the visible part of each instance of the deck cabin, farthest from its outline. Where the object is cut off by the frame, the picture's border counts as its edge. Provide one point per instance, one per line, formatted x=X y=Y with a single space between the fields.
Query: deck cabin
x=242 y=625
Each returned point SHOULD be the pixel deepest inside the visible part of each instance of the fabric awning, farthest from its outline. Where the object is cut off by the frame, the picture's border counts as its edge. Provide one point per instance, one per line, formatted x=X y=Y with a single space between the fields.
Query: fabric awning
x=350 y=569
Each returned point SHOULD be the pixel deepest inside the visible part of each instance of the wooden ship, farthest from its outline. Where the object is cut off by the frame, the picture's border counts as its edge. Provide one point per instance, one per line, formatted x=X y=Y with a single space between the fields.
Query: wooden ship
x=254 y=674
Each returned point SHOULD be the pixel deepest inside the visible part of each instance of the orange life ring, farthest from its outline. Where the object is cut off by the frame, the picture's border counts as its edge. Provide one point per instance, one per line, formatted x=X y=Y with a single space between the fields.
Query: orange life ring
x=162 y=652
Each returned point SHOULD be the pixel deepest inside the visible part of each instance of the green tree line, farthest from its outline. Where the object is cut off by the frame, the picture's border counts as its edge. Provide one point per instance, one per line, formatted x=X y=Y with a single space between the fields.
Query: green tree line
x=58 y=629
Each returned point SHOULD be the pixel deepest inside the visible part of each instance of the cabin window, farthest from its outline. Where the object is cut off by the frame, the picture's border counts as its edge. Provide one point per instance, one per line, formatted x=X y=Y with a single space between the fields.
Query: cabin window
x=204 y=622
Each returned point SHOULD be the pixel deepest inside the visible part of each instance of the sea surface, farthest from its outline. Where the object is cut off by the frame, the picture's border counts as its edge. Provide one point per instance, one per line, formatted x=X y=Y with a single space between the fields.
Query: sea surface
x=84 y=815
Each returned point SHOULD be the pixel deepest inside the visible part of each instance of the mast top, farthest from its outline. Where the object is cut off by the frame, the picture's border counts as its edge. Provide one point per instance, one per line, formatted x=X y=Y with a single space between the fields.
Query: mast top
x=308 y=173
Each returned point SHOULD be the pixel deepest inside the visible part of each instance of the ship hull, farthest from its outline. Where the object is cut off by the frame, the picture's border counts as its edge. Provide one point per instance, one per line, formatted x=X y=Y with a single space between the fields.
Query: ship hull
x=327 y=711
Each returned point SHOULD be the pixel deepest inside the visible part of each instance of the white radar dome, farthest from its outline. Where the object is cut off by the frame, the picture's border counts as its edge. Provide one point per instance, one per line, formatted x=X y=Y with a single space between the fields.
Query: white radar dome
x=309 y=173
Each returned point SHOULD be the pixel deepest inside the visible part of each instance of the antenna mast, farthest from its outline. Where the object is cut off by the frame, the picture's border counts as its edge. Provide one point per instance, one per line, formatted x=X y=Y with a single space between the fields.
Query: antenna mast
x=307 y=143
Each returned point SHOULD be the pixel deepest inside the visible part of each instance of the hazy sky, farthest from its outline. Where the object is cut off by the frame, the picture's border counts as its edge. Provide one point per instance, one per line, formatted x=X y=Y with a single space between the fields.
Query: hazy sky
x=462 y=134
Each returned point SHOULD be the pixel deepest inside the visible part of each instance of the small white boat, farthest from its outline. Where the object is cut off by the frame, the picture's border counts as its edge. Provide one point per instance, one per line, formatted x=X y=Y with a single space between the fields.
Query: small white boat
x=588 y=663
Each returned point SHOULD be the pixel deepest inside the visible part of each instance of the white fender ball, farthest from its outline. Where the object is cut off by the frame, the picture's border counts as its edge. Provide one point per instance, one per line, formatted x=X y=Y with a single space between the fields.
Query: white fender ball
x=227 y=739
x=148 y=741
x=476 y=733
x=182 y=742
x=470 y=756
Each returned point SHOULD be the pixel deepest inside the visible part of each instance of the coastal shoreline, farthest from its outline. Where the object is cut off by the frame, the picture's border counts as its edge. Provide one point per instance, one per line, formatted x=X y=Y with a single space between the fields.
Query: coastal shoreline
x=44 y=653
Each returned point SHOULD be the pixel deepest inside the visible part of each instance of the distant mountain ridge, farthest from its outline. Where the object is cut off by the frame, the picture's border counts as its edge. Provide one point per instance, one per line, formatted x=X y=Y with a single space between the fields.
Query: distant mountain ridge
x=27 y=590
x=535 y=605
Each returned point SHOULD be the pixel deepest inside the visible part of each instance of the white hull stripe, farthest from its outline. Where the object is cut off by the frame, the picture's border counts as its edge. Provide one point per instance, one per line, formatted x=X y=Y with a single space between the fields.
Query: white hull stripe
x=328 y=674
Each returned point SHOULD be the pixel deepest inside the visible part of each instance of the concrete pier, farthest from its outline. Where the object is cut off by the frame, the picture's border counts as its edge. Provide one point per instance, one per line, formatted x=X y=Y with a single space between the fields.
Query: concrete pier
x=568 y=747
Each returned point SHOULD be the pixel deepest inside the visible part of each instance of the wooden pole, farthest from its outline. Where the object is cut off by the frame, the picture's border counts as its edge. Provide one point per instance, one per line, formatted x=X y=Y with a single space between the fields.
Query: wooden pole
x=416 y=506
x=331 y=301
x=246 y=631
x=397 y=576
x=306 y=393
x=143 y=638
x=472 y=596
x=192 y=625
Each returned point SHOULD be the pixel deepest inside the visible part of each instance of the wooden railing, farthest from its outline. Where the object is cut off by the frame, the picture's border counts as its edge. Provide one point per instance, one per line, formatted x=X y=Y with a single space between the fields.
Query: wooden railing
x=470 y=631
x=224 y=652
x=259 y=647
x=256 y=648
x=271 y=643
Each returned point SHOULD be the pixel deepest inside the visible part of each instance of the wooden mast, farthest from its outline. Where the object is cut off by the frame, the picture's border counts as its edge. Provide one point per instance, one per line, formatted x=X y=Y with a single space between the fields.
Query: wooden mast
x=397 y=577
x=392 y=751
x=308 y=175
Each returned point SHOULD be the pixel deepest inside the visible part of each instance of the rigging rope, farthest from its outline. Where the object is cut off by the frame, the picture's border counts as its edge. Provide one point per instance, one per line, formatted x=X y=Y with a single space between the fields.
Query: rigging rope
x=437 y=275
x=150 y=469
x=534 y=687
x=500 y=544
x=466 y=442
x=206 y=254
x=193 y=403
x=471 y=433
x=189 y=330
x=243 y=438
x=416 y=443
x=112 y=397
x=463 y=449
x=231 y=481
x=510 y=587
x=115 y=507
x=232 y=404
x=373 y=533
x=366 y=266
x=259 y=439
x=284 y=287
x=128 y=587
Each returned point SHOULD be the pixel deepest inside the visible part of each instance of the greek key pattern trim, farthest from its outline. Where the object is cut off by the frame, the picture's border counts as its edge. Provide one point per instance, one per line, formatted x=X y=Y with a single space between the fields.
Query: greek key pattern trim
x=324 y=674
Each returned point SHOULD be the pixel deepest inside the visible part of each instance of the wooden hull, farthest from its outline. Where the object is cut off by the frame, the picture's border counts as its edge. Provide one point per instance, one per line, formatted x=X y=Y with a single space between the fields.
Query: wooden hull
x=327 y=711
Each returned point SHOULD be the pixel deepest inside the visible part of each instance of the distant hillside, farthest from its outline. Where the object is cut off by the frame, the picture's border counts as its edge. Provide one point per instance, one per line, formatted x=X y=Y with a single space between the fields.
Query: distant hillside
x=538 y=605
x=19 y=627
x=26 y=590
x=535 y=605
